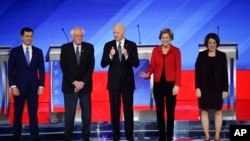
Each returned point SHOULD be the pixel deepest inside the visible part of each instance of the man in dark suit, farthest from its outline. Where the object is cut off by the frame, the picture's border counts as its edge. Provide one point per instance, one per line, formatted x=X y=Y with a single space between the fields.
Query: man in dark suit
x=77 y=64
x=121 y=55
x=26 y=78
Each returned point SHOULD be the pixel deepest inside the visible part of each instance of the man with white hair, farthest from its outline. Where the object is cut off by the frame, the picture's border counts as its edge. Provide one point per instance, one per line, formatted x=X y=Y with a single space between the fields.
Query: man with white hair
x=121 y=55
x=77 y=64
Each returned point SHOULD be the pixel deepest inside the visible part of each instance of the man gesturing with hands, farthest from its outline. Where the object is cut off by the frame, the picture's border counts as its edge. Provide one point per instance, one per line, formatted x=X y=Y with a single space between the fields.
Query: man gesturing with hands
x=121 y=56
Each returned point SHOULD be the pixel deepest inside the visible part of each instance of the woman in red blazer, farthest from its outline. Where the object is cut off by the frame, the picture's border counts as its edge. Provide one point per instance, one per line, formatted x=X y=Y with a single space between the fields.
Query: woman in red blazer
x=165 y=64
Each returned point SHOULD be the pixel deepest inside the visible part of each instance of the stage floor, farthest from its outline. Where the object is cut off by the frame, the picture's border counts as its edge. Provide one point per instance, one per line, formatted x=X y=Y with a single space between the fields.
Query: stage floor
x=101 y=131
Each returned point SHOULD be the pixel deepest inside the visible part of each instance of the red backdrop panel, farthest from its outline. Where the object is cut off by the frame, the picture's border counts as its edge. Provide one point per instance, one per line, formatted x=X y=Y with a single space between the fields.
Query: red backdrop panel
x=186 y=108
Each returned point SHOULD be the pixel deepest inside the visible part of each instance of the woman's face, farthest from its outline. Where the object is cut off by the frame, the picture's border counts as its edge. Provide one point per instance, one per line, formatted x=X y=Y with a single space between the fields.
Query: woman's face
x=212 y=44
x=165 y=39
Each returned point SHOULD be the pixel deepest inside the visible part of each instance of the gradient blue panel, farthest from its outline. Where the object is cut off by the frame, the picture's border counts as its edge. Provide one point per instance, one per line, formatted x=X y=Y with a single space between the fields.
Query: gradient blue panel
x=189 y=20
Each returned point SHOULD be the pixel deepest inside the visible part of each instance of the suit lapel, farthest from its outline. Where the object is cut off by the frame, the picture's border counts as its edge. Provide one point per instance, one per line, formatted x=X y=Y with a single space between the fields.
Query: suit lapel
x=73 y=54
x=116 y=50
x=34 y=54
x=20 y=51
x=81 y=52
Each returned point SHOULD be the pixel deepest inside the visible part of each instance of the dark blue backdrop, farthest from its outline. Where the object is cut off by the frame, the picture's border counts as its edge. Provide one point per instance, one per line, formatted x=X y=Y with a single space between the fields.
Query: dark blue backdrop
x=190 y=21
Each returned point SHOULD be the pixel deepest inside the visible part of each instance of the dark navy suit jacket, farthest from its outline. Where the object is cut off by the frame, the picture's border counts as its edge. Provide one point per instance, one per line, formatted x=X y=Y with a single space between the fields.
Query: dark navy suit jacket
x=21 y=74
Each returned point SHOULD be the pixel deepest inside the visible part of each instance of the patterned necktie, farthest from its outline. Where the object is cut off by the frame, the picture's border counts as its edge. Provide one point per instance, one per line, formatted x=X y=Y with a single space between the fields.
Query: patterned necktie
x=77 y=55
x=120 y=51
x=27 y=55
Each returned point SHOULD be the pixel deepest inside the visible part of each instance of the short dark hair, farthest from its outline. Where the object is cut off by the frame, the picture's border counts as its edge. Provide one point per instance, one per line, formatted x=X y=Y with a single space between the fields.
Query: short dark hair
x=168 y=31
x=212 y=36
x=26 y=29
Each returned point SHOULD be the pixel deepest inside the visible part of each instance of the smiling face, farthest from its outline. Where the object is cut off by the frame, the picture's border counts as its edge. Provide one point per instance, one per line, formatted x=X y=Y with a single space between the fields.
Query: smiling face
x=27 y=38
x=212 y=41
x=166 y=36
x=211 y=44
x=165 y=39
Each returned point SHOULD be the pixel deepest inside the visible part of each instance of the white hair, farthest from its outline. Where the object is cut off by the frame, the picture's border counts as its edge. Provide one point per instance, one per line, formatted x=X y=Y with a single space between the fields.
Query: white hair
x=72 y=30
x=122 y=26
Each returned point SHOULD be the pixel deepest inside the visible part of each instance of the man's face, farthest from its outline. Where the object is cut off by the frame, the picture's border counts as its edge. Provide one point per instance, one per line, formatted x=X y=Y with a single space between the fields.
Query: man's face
x=77 y=36
x=27 y=38
x=118 y=32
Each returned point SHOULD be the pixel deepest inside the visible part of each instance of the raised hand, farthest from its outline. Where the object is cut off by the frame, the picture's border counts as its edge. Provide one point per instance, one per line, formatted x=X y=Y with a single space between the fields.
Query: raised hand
x=125 y=52
x=112 y=52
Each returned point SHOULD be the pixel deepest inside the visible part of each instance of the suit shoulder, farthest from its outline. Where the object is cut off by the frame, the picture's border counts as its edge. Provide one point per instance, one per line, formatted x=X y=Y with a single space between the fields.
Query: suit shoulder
x=175 y=48
x=220 y=52
x=110 y=42
x=129 y=42
x=36 y=48
x=203 y=52
x=66 y=47
x=13 y=49
x=16 y=49
x=88 y=44
x=66 y=44
x=157 y=48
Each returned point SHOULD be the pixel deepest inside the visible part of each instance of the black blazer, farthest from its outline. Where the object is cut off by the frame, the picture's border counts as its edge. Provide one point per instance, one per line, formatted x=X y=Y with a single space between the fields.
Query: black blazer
x=120 y=73
x=220 y=70
x=70 y=69
x=23 y=75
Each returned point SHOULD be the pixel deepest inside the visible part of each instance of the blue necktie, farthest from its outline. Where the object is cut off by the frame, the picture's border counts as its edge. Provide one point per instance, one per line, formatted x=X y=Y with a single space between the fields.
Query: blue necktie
x=77 y=55
x=120 y=51
x=27 y=55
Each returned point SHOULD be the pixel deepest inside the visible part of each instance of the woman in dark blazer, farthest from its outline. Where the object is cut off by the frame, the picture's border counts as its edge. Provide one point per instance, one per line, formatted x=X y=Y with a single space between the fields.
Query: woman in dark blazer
x=166 y=65
x=211 y=82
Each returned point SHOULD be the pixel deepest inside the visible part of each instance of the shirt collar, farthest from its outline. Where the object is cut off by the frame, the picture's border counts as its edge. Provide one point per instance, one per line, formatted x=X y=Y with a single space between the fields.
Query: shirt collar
x=122 y=42
x=75 y=45
x=25 y=46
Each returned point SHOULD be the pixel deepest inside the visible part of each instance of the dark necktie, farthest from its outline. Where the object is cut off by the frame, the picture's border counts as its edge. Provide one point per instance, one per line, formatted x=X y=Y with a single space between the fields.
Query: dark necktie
x=120 y=51
x=77 y=55
x=27 y=55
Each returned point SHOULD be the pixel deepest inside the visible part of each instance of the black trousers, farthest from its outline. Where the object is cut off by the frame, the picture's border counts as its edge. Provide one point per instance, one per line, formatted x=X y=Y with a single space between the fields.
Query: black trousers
x=115 y=104
x=163 y=94
x=32 y=103
x=70 y=102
